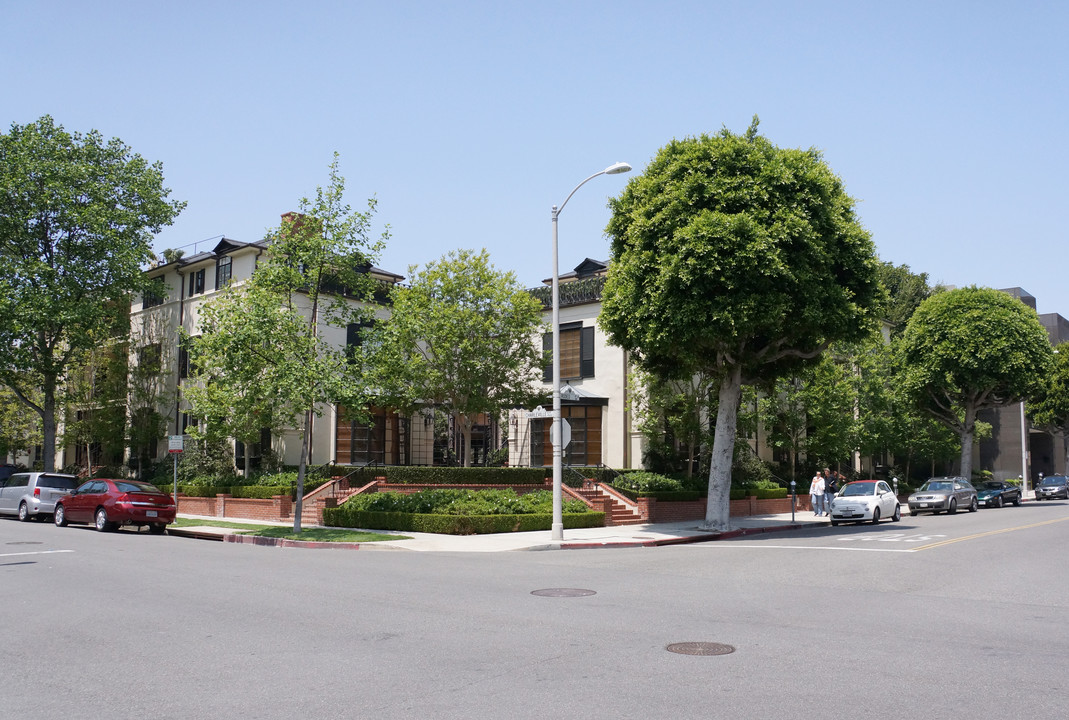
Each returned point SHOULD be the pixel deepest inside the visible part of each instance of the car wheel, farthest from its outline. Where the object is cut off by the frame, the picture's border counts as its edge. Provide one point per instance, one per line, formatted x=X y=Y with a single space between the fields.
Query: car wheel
x=898 y=514
x=102 y=520
x=998 y=501
x=976 y=505
x=1017 y=500
x=913 y=513
x=953 y=506
x=60 y=516
x=157 y=529
x=24 y=512
x=834 y=523
x=875 y=515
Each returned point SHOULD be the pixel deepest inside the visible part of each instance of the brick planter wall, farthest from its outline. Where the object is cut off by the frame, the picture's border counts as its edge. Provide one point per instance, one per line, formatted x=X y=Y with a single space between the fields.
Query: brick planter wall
x=275 y=509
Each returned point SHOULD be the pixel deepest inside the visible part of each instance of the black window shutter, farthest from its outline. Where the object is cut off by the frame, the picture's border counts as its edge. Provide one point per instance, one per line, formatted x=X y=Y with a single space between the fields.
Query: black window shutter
x=547 y=357
x=586 y=352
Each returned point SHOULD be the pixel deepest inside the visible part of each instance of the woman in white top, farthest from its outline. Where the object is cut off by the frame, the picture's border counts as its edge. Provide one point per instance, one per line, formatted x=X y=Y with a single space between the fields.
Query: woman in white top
x=816 y=494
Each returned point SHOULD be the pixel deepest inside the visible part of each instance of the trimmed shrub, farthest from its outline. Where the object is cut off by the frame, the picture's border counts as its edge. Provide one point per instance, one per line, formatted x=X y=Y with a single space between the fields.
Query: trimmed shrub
x=647 y=482
x=463 y=502
x=454 y=524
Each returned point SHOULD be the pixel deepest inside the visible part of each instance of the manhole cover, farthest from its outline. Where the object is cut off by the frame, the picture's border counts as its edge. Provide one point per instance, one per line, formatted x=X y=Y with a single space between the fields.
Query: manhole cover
x=563 y=592
x=25 y=542
x=701 y=648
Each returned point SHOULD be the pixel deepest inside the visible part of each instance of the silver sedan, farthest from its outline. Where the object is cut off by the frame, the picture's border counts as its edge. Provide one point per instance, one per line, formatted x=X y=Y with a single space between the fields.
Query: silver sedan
x=944 y=493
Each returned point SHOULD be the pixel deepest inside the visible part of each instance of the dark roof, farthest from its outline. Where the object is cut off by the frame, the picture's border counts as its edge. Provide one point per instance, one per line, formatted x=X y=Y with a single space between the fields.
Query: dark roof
x=584 y=269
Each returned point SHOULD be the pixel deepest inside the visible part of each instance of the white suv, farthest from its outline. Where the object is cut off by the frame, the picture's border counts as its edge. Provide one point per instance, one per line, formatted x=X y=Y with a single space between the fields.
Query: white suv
x=34 y=494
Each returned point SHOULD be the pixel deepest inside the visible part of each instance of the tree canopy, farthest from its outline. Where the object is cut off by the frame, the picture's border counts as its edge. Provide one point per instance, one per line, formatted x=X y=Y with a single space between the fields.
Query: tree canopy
x=261 y=357
x=972 y=348
x=1050 y=406
x=733 y=255
x=77 y=217
x=459 y=337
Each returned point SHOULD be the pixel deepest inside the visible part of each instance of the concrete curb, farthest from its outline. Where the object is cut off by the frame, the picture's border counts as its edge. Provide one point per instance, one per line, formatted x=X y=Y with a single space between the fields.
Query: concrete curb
x=711 y=537
x=283 y=542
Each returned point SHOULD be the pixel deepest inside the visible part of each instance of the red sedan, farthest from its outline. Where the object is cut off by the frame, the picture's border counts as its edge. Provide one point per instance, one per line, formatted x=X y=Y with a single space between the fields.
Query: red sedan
x=111 y=503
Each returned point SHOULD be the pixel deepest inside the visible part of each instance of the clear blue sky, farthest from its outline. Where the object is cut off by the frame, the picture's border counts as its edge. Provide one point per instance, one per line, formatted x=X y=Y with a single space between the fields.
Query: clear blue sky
x=469 y=120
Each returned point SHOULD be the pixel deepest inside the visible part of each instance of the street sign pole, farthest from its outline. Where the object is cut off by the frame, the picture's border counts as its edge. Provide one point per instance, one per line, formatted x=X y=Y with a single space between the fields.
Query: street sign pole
x=175 y=445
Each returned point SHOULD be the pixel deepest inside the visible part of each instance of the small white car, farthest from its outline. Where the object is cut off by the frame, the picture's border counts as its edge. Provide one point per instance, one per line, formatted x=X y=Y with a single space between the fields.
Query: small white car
x=865 y=501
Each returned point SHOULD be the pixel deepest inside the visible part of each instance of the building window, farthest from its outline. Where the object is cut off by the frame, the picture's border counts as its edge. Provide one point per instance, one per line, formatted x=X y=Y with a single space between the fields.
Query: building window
x=355 y=336
x=222 y=272
x=196 y=282
x=576 y=352
x=188 y=421
x=360 y=443
x=154 y=294
x=585 y=446
x=149 y=358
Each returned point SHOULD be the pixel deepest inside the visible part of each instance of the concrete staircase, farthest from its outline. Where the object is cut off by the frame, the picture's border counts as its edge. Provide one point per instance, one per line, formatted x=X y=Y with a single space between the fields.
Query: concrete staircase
x=618 y=510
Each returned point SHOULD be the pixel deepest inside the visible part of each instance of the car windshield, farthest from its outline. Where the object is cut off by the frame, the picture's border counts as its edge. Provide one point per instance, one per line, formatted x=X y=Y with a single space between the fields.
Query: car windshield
x=989 y=485
x=1053 y=480
x=859 y=488
x=59 y=482
x=138 y=487
x=940 y=486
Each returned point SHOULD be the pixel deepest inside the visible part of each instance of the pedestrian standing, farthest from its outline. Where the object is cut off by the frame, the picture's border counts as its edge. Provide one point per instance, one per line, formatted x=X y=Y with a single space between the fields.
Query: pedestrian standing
x=831 y=486
x=816 y=494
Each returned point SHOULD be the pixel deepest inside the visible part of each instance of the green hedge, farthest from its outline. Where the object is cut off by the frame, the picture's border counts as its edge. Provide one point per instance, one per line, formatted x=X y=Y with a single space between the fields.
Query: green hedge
x=661 y=495
x=433 y=475
x=454 y=524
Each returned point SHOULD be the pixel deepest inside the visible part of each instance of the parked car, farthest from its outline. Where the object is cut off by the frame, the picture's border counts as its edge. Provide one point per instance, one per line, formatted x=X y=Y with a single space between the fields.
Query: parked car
x=1053 y=487
x=33 y=494
x=6 y=471
x=996 y=493
x=109 y=504
x=865 y=501
x=944 y=493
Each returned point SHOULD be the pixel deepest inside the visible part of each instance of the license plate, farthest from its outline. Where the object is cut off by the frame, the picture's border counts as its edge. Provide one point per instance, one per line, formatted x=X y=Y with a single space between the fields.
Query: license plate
x=923 y=505
x=150 y=513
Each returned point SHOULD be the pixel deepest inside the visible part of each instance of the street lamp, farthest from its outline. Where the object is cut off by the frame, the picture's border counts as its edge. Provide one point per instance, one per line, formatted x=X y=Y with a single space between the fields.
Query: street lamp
x=557 y=529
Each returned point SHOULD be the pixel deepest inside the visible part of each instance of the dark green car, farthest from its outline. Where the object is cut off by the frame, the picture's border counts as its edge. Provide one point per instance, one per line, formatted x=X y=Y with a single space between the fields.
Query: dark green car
x=996 y=493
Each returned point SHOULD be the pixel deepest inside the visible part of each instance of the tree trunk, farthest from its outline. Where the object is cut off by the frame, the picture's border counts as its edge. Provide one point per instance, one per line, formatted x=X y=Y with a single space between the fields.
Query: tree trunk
x=718 y=507
x=48 y=425
x=302 y=466
x=968 y=431
x=465 y=432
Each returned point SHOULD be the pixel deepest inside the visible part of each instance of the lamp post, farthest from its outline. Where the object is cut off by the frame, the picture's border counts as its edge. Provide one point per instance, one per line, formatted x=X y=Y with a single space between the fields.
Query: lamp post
x=557 y=529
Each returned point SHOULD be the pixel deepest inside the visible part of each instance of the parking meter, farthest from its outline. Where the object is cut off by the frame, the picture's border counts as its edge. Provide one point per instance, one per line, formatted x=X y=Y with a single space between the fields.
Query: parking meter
x=794 y=500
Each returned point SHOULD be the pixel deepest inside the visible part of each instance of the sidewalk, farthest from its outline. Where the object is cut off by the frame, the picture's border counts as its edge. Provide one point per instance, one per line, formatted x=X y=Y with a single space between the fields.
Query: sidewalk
x=621 y=536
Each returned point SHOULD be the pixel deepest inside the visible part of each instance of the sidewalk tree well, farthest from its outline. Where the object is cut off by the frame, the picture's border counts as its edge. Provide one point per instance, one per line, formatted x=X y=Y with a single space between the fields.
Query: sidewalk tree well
x=77 y=216
x=733 y=256
x=459 y=338
x=261 y=357
x=968 y=349
x=1049 y=408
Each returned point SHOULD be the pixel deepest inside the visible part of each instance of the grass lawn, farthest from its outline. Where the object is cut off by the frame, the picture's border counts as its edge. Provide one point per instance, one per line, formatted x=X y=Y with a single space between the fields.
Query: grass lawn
x=286 y=532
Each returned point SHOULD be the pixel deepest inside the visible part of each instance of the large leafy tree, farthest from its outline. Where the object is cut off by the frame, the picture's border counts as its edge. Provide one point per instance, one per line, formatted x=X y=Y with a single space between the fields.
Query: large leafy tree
x=20 y=427
x=968 y=349
x=459 y=337
x=1049 y=409
x=263 y=357
x=77 y=216
x=734 y=256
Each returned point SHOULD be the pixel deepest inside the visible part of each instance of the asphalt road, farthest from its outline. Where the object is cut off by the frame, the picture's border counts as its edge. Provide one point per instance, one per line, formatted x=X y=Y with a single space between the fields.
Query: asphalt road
x=933 y=617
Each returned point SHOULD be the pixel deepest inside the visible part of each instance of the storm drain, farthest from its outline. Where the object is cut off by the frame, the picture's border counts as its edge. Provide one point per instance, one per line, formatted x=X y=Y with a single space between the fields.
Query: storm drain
x=701 y=648
x=563 y=592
